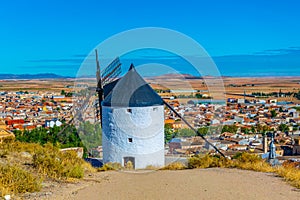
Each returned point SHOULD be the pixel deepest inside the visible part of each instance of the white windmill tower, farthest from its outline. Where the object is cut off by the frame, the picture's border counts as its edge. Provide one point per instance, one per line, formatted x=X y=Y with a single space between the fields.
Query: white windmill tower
x=132 y=122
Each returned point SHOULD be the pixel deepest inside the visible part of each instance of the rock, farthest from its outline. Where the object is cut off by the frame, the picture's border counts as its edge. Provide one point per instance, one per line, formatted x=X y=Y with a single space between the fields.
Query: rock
x=26 y=154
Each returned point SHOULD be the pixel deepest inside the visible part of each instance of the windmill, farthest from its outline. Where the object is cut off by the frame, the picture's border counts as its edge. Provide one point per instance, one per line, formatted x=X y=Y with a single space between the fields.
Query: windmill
x=127 y=105
x=106 y=80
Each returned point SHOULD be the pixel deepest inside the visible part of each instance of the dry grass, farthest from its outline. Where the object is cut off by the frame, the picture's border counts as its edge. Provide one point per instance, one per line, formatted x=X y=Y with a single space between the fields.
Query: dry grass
x=251 y=162
x=247 y=161
x=53 y=163
x=21 y=163
x=16 y=146
x=14 y=180
x=290 y=174
x=152 y=167
x=240 y=161
x=110 y=166
x=88 y=168
x=208 y=161
x=290 y=171
x=129 y=165
x=48 y=160
x=174 y=166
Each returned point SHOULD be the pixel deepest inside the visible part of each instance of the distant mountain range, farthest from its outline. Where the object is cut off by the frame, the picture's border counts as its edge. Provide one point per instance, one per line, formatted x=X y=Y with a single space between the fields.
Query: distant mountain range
x=182 y=76
x=32 y=76
x=56 y=76
x=174 y=76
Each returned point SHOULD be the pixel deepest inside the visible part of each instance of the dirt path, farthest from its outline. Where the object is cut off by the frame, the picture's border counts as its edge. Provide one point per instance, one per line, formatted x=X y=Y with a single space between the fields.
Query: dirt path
x=187 y=184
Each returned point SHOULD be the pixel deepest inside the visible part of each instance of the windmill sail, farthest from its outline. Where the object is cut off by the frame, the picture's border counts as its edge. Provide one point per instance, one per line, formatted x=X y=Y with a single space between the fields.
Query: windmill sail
x=99 y=89
x=109 y=74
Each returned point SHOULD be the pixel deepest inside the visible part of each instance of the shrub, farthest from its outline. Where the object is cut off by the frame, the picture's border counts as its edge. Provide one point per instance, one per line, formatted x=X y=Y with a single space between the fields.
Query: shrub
x=289 y=170
x=207 y=161
x=20 y=175
x=110 y=166
x=237 y=155
x=290 y=174
x=261 y=166
x=129 y=165
x=174 y=166
x=247 y=157
x=4 y=153
x=152 y=167
x=20 y=147
x=88 y=167
x=51 y=162
x=251 y=162
x=15 y=180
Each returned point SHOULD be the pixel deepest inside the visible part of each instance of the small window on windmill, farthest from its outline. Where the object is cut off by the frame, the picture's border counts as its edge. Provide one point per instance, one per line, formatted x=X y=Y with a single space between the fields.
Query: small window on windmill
x=130 y=140
x=129 y=110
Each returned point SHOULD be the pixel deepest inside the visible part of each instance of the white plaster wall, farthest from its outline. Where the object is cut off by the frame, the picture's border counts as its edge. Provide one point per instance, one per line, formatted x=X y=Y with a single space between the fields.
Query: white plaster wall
x=145 y=125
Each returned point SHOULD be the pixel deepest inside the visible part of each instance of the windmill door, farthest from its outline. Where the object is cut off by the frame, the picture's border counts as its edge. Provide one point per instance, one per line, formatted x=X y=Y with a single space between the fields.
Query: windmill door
x=129 y=162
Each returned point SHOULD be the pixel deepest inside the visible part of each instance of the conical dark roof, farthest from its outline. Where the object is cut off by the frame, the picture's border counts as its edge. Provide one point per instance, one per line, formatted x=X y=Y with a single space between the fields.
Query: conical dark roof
x=131 y=91
x=109 y=87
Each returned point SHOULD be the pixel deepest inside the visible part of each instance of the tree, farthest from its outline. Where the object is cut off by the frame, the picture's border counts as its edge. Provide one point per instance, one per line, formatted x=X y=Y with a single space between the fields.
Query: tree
x=168 y=133
x=63 y=92
x=90 y=134
x=230 y=128
x=263 y=129
x=273 y=113
x=198 y=96
x=253 y=130
x=69 y=94
x=185 y=132
x=68 y=138
x=283 y=128
x=202 y=130
x=280 y=109
x=245 y=130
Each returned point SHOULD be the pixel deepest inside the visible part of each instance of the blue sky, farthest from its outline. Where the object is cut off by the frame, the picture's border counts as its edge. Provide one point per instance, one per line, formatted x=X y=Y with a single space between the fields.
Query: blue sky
x=54 y=36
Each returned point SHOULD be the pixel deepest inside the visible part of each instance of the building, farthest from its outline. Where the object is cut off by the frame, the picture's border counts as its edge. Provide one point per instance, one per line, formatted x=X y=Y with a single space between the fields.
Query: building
x=132 y=122
x=4 y=133
x=175 y=143
x=296 y=146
